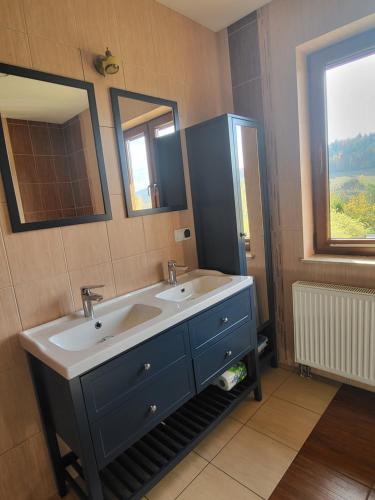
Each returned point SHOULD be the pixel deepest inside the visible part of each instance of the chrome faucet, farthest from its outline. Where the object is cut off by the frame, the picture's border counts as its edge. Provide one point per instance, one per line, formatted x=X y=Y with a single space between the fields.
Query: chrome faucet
x=88 y=298
x=172 y=271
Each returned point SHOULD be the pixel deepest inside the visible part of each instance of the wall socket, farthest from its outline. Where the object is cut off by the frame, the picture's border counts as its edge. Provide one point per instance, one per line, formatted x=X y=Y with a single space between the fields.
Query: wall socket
x=182 y=234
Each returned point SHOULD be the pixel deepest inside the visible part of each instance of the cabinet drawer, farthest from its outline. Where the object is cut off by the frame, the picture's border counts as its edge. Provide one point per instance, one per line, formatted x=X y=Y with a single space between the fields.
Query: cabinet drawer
x=144 y=409
x=105 y=387
x=213 y=361
x=208 y=327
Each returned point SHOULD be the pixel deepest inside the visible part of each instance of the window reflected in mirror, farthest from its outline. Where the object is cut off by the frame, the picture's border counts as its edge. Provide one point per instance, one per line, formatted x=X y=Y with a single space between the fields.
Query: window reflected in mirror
x=150 y=152
x=141 y=143
x=51 y=150
x=252 y=223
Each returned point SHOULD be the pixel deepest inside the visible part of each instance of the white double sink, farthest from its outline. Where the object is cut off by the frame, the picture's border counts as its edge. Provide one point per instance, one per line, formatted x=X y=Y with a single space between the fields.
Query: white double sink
x=74 y=344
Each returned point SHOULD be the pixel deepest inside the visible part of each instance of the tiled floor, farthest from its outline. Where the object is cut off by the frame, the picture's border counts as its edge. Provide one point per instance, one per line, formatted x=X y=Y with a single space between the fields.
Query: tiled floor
x=245 y=457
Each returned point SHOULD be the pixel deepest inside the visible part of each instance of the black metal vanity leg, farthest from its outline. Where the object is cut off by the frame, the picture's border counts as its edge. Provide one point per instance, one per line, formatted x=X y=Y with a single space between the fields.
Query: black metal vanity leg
x=87 y=455
x=48 y=427
x=274 y=362
x=255 y=362
x=258 y=393
x=254 y=372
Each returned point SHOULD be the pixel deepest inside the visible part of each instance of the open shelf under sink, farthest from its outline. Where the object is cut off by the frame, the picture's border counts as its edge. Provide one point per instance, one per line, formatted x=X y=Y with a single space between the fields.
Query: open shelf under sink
x=141 y=466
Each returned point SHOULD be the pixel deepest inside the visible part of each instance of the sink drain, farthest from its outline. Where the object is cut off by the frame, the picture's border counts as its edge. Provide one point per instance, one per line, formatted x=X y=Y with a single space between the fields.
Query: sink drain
x=105 y=338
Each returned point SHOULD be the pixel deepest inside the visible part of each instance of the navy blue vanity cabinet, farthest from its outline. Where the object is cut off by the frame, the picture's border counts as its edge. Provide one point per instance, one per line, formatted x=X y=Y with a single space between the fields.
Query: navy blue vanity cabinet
x=208 y=327
x=141 y=411
x=222 y=336
x=214 y=360
x=128 y=421
x=109 y=386
x=125 y=397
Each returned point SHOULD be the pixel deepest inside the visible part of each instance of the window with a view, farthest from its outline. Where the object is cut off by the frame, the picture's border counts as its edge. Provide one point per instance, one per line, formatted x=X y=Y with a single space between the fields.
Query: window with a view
x=342 y=110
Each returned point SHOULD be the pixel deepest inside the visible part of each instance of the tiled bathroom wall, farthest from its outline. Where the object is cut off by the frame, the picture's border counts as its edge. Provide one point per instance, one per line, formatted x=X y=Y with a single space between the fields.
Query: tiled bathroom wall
x=245 y=67
x=50 y=161
x=281 y=27
x=162 y=54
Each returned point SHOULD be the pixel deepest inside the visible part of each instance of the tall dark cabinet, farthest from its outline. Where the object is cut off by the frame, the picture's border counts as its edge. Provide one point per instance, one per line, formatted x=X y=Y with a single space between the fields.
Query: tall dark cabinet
x=231 y=212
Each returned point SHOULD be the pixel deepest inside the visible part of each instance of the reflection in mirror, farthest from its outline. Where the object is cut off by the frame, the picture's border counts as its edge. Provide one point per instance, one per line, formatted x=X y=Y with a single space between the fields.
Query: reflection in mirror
x=51 y=151
x=251 y=199
x=150 y=152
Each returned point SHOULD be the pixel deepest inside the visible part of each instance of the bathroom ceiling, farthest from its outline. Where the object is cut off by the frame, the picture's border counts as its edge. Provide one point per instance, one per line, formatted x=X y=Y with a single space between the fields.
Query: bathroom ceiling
x=214 y=14
x=27 y=99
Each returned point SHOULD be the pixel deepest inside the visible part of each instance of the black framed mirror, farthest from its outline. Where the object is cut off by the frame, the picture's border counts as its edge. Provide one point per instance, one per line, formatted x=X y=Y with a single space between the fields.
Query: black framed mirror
x=50 y=150
x=149 y=144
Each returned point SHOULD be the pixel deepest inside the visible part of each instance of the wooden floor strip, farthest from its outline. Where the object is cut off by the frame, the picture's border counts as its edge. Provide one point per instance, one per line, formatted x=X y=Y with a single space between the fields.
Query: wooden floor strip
x=337 y=461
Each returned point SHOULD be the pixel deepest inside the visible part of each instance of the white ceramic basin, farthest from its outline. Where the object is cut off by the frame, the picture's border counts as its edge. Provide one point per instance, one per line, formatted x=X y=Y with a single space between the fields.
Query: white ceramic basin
x=194 y=289
x=88 y=334
x=73 y=344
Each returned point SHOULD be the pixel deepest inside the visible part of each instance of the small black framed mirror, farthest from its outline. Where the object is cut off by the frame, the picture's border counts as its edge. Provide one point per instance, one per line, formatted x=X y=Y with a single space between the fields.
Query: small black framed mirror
x=50 y=150
x=149 y=144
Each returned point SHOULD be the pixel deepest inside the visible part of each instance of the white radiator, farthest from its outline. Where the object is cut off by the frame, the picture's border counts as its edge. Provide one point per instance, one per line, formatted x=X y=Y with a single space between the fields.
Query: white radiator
x=334 y=329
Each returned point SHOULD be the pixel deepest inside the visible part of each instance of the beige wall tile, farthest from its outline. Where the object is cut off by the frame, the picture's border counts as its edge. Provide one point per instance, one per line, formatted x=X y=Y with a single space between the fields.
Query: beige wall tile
x=19 y=415
x=177 y=480
x=126 y=234
x=97 y=29
x=158 y=230
x=44 y=300
x=284 y=421
x=170 y=43
x=2 y=192
x=25 y=472
x=311 y=394
x=112 y=165
x=14 y=48
x=97 y=26
x=12 y=14
x=212 y=483
x=32 y=255
x=4 y=267
x=53 y=20
x=255 y=460
x=95 y=275
x=218 y=438
x=130 y=273
x=139 y=79
x=177 y=253
x=133 y=53
x=157 y=263
x=185 y=219
x=86 y=245
x=54 y=57
x=10 y=326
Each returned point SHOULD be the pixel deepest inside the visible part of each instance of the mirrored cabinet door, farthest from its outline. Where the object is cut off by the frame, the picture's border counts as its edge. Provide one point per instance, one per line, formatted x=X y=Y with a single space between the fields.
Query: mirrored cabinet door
x=246 y=139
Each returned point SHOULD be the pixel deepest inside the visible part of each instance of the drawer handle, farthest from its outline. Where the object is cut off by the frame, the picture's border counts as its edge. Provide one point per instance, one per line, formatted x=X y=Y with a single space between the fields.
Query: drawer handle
x=153 y=408
x=147 y=366
x=225 y=319
x=228 y=354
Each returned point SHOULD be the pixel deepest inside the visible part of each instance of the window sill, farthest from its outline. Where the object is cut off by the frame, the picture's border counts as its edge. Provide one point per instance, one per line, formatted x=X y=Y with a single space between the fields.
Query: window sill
x=339 y=259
